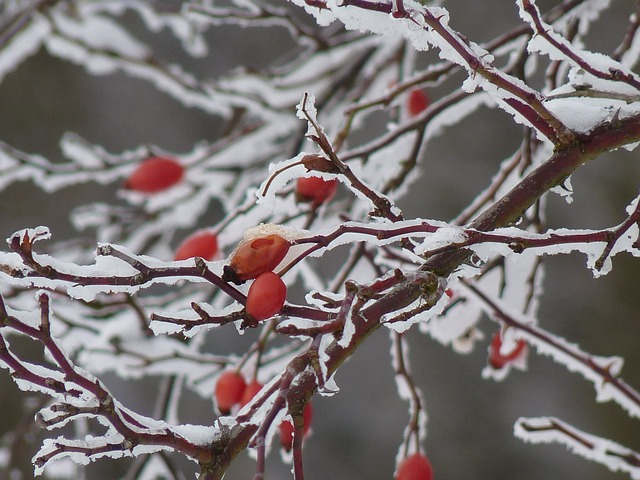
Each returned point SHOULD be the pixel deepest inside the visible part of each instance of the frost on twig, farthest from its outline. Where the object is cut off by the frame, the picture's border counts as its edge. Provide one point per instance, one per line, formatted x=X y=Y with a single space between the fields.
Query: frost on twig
x=78 y=394
x=600 y=450
x=603 y=372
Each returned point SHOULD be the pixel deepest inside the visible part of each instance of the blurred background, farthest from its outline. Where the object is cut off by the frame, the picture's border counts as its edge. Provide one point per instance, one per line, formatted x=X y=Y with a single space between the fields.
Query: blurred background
x=356 y=433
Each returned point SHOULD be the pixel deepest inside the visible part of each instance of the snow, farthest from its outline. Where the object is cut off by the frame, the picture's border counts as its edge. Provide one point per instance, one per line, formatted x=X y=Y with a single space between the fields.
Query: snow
x=154 y=468
x=170 y=79
x=63 y=468
x=93 y=38
x=24 y=44
x=630 y=57
x=99 y=32
x=582 y=114
x=595 y=369
x=197 y=434
x=31 y=235
x=330 y=385
x=591 y=447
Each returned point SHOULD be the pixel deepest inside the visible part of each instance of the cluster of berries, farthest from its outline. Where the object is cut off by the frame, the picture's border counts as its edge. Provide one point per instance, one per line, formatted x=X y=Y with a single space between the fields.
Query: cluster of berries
x=255 y=259
x=233 y=391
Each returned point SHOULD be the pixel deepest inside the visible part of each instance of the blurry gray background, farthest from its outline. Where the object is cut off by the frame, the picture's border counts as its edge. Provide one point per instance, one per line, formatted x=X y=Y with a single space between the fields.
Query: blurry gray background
x=357 y=432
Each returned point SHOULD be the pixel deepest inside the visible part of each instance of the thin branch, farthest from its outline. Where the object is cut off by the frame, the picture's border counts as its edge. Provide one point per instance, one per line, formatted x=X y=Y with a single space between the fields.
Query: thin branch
x=626 y=396
x=383 y=206
x=563 y=45
x=132 y=430
x=526 y=101
x=601 y=450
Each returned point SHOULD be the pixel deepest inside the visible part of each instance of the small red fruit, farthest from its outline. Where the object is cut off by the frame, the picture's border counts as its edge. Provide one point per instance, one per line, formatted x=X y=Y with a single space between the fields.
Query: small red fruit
x=315 y=189
x=286 y=428
x=498 y=360
x=229 y=390
x=417 y=102
x=251 y=391
x=255 y=257
x=415 y=467
x=266 y=296
x=200 y=244
x=155 y=174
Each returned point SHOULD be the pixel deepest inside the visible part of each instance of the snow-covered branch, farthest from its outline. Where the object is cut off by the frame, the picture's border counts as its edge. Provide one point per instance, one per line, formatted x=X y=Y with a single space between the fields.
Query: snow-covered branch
x=241 y=272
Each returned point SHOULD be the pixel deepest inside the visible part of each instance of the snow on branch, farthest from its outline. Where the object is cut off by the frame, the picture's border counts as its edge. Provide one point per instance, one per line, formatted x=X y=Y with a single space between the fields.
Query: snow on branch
x=78 y=394
x=352 y=110
x=603 y=372
x=559 y=48
x=597 y=449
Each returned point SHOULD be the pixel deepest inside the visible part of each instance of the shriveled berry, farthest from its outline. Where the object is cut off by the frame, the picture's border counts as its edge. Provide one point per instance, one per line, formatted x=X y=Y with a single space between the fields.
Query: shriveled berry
x=266 y=296
x=497 y=359
x=155 y=174
x=255 y=257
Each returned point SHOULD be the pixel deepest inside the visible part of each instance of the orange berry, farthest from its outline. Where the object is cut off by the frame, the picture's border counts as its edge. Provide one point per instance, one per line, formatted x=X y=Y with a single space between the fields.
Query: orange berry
x=255 y=257
x=498 y=360
x=251 y=391
x=200 y=244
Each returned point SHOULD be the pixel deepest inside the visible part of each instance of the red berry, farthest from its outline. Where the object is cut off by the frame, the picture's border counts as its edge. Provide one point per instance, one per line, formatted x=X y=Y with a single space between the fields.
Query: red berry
x=286 y=428
x=415 y=467
x=200 y=244
x=155 y=174
x=315 y=189
x=251 y=391
x=255 y=257
x=417 y=102
x=498 y=360
x=266 y=296
x=229 y=390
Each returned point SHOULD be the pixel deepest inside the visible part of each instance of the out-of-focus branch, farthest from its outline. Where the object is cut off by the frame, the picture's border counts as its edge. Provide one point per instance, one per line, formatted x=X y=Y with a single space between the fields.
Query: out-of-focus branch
x=549 y=429
x=525 y=100
x=607 y=374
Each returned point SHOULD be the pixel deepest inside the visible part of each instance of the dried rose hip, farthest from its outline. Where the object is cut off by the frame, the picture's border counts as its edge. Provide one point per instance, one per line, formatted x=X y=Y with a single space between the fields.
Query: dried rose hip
x=255 y=257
